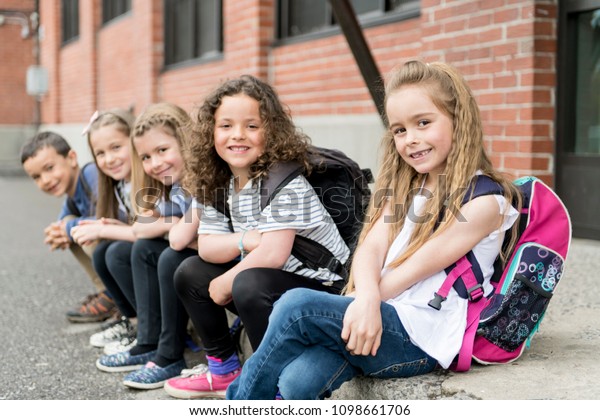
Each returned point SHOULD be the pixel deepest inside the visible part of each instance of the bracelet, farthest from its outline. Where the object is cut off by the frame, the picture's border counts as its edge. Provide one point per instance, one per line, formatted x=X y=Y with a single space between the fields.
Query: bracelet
x=241 y=245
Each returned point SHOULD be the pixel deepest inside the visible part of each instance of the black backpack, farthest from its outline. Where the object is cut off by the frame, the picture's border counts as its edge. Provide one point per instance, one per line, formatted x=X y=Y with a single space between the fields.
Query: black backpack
x=343 y=188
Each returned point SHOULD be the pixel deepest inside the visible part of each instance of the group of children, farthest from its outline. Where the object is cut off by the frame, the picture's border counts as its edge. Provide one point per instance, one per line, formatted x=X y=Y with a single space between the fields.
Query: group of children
x=167 y=252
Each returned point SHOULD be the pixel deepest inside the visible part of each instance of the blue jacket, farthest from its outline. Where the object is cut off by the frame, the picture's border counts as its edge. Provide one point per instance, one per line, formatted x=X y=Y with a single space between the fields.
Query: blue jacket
x=85 y=205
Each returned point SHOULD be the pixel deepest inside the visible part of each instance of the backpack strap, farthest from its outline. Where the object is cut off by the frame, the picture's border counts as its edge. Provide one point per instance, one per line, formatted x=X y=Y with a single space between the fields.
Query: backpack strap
x=310 y=253
x=279 y=176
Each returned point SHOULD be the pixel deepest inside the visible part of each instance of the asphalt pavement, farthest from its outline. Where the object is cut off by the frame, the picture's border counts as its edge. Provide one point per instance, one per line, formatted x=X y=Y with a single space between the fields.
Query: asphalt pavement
x=44 y=357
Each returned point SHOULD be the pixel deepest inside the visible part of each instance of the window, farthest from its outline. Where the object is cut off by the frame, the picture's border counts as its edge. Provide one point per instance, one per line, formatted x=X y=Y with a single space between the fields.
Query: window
x=69 y=20
x=299 y=17
x=193 y=29
x=114 y=8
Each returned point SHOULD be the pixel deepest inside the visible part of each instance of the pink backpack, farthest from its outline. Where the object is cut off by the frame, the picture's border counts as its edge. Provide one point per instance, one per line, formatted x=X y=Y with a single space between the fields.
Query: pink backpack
x=500 y=326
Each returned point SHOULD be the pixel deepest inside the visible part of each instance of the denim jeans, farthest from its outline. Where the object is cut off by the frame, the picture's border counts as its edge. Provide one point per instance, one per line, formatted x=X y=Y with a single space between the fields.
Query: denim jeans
x=303 y=356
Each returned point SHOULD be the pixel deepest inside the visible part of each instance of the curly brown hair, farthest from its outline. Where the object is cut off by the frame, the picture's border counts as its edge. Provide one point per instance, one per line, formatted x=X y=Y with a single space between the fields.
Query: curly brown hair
x=206 y=172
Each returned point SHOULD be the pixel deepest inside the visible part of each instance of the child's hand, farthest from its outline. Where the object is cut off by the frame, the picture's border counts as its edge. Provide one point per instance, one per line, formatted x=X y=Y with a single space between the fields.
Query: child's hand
x=86 y=233
x=362 y=327
x=220 y=290
x=56 y=236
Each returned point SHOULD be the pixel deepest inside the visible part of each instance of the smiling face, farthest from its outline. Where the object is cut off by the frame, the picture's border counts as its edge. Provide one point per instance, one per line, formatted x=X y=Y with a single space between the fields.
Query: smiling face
x=160 y=155
x=53 y=173
x=422 y=133
x=239 y=134
x=111 y=149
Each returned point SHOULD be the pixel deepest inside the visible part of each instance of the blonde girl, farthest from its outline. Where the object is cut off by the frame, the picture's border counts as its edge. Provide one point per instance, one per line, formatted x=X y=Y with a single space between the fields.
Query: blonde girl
x=245 y=264
x=385 y=327
x=165 y=231
x=108 y=140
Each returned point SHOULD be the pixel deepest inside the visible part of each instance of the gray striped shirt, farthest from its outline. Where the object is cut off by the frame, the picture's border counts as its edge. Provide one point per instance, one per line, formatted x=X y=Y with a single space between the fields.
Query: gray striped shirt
x=296 y=206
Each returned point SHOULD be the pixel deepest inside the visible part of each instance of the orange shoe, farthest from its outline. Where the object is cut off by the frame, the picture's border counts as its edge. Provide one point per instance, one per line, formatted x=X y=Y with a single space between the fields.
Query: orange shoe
x=95 y=308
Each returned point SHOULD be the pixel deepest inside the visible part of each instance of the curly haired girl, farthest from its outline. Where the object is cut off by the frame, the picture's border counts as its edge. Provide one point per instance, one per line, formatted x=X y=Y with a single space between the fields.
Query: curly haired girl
x=245 y=262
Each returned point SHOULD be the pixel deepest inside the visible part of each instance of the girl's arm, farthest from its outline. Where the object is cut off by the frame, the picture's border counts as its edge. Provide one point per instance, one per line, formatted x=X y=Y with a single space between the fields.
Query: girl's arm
x=183 y=234
x=273 y=251
x=90 y=230
x=482 y=217
x=362 y=326
x=220 y=249
x=151 y=226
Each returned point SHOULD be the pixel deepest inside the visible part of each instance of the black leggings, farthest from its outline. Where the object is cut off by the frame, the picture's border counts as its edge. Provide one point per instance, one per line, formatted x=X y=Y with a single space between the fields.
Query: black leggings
x=254 y=292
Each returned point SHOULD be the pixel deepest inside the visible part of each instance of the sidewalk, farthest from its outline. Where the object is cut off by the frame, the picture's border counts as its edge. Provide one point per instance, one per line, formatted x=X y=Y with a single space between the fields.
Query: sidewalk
x=562 y=363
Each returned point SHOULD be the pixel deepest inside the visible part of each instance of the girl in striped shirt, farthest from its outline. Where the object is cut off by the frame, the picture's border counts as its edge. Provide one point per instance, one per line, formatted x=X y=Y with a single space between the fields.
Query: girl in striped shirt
x=245 y=262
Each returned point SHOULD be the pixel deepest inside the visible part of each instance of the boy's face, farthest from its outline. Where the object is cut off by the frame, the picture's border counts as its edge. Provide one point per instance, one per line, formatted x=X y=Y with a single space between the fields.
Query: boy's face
x=54 y=174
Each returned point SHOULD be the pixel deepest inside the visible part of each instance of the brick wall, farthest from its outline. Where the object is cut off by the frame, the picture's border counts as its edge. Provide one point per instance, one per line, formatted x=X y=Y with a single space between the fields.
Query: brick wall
x=505 y=48
x=16 y=55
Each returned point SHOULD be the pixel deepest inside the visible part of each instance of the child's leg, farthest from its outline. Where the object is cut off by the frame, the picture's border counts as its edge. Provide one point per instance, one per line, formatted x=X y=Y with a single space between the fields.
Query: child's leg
x=118 y=264
x=192 y=279
x=85 y=260
x=174 y=317
x=256 y=290
x=304 y=318
x=144 y=261
x=100 y=257
x=296 y=382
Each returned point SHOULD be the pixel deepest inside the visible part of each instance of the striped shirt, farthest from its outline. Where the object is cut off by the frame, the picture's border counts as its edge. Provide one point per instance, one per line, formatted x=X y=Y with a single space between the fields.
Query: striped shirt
x=177 y=205
x=296 y=206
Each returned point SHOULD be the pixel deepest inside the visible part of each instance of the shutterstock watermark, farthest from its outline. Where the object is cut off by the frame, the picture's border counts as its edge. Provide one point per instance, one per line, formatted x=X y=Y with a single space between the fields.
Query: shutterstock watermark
x=289 y=206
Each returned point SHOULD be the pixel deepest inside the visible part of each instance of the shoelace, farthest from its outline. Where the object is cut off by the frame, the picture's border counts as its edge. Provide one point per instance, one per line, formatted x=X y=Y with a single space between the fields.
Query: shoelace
x=195 y=371
x=198 y=370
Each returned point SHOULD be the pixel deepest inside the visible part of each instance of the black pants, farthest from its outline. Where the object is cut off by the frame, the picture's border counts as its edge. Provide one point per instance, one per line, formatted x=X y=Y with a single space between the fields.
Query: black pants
x=111 y=261
x=254 y=292
x=162 y=320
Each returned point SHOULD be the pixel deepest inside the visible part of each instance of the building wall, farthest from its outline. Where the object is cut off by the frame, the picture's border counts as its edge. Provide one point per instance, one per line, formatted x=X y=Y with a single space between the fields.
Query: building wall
x=505 y=48
x=17 y=108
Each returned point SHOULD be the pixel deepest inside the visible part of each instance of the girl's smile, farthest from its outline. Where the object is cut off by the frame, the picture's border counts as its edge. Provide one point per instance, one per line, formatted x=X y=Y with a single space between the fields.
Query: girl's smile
x=160 y=155
x=422 y=133
x=239 y=134
x=112 y=151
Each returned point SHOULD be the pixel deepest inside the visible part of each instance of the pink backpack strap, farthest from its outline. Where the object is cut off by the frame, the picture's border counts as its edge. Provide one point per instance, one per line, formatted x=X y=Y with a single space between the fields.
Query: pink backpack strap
x=464 y=271
x=463 y=362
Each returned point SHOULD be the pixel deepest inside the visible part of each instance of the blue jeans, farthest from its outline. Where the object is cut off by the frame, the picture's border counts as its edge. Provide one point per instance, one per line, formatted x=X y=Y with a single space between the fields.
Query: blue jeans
x=303 y=356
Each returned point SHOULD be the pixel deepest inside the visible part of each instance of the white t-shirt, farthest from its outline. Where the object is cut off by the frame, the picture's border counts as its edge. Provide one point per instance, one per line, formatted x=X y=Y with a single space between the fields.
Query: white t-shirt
x=295 y=207
x=440 y=333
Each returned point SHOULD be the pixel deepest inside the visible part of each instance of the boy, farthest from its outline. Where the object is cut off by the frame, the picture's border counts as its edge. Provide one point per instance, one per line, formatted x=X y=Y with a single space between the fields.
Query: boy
x=52 y=164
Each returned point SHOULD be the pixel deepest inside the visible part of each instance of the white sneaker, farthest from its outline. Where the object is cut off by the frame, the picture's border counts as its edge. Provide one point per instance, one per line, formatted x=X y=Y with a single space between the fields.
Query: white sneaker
x=115 y=347
x=116 y=332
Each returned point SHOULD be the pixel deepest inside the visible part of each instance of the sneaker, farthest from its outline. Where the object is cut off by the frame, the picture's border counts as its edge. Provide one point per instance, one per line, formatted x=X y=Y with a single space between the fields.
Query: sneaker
x=126 y=344
x=116 y=332
x=153 y=376
x=95 y=308
x=199 y=382
x=124 y=362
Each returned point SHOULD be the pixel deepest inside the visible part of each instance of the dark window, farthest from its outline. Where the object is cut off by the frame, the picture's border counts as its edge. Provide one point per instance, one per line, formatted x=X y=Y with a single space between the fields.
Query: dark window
x=299 y=17
x=113 y=8
x=193 y=29
x=69 y=20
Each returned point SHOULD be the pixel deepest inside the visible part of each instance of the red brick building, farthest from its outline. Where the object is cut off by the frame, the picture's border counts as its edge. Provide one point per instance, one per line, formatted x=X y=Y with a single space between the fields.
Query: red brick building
x=107 y=53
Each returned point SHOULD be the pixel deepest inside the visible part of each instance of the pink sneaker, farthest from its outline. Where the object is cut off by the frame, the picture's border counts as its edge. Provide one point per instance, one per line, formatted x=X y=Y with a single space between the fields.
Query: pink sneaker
x=198 y=382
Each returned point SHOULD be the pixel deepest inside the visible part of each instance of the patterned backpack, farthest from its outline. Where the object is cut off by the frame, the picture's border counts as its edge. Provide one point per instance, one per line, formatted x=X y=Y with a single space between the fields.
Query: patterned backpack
x=500 y=326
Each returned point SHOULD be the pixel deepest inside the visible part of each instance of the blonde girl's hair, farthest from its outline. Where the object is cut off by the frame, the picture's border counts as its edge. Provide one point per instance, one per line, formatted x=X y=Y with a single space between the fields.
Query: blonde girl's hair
x=450 y=93
x=173 y=121
x=207 y=174
x=122 y=120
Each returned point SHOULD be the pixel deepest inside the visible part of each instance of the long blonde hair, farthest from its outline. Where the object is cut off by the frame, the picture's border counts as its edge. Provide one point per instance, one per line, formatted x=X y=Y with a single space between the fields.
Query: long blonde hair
x=450 y=93
x=174 y=121
x=122 y=120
